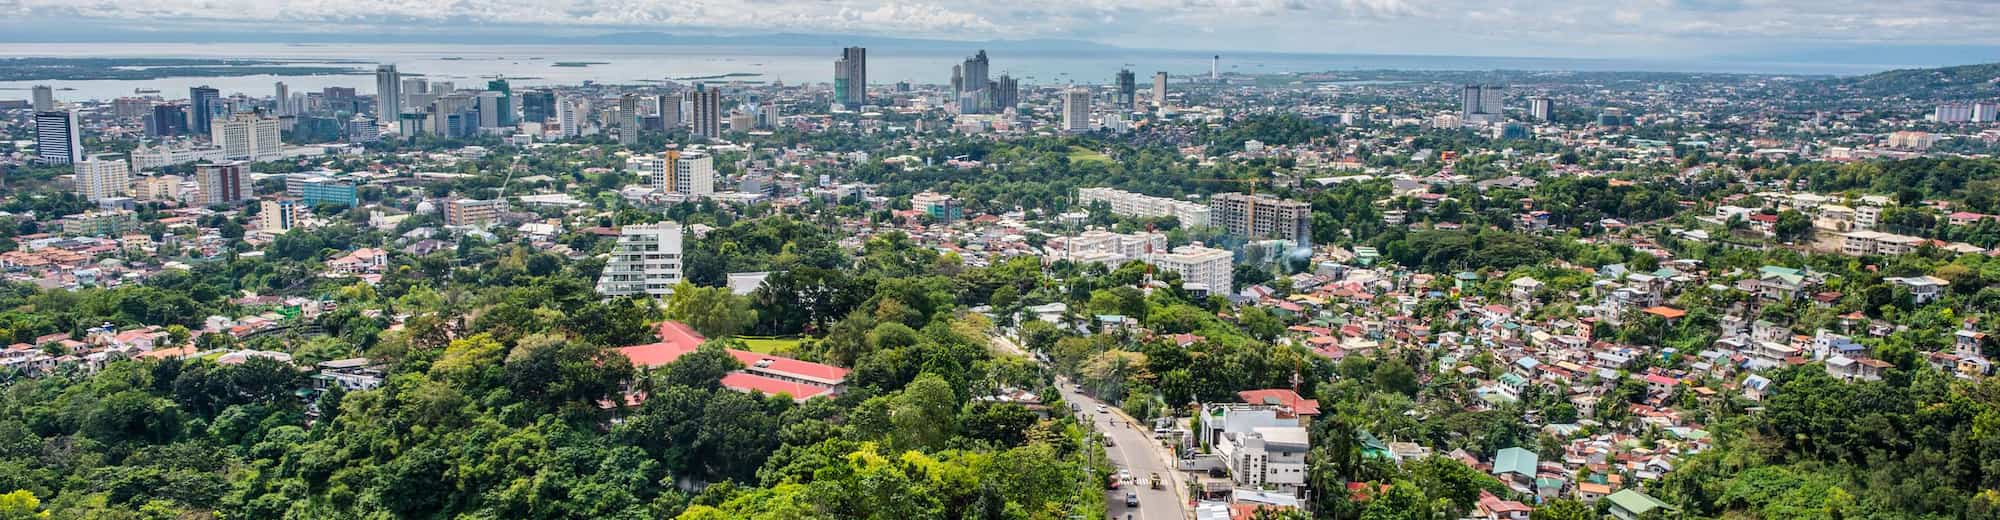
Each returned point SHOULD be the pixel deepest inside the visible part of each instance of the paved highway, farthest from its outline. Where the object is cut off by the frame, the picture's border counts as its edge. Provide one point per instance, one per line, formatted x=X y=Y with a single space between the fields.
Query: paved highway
x=1134 y=449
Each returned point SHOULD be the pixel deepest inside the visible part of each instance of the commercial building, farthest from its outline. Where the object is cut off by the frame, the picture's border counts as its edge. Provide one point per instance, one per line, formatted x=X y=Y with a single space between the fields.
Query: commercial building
x=850 y=78
x=1262 y=446
x=503 y=109
x=538 y=106
x=223 y=183
x=942 y=208
x=317 y=190
x=1098 y=246
x=570 y=116
x=628 y=119
x=100 y=223
x=1541 y=109
x=472 y=212
x=167 y=120
x=1159 y=89
x=1128 y=90
x=1262 y=216
x=1076 y=111
x=58 y=137
x=276 y=216
x=707 y=112
x=388 y=93
x=152 y=157
x=102 y=178
x=654 y=169
x=694 y=174
x=247 y=136
x=646 y=260
x=45 y=98
x=204 y=105
x=1482 y=103
x=1202 y=269
x=1125 y=203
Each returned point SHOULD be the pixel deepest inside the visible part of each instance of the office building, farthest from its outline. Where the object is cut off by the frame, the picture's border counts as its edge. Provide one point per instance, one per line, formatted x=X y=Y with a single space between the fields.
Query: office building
x=942 y=208
x=276 y=216
x=1541 y=109
x=1482 y=103
x=1128 y=204
x=388 y=93
x=317 y=190
x=1128 y=90
x=44 y=98
x=504 y=109
x=628 y=119
x=223 y=183
x=472 y=212
x=1159 y=89
x=246 y=135
x=363 y=130
x=281 y=99
x=100 y=223
x=973 y=85
x=1076 y=110
x=492 y=109
x=58 y=137
x=694 y=174
x=570 y=116
x=168 y=154
x=538 y=106
x=130 y=107
x=1262 y=216
x=103 y=177
x=646 y=260
x=707 y=112
x=1006 y=93
x=1201 y=268
x=167 y=120
x=850 y=78
x=668 y=106
x=204 y=105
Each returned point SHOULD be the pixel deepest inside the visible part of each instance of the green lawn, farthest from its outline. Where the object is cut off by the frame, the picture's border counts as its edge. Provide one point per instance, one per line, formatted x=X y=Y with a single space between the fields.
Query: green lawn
x=1078 y=154
x=769 y=345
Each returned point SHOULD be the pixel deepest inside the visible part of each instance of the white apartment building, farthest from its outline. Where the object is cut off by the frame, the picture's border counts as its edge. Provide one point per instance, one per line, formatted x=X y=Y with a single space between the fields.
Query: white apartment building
x=1076 y=111
x=694 y=174
x=276 y=216
x=646 y=260
x=246 y=136
x=1262 y=446
x=157 y=156
x=1201 y=268
x=1104 y=247
x=1125 y=203
x=1864 y=242
x=653 y=169
x=102 y=178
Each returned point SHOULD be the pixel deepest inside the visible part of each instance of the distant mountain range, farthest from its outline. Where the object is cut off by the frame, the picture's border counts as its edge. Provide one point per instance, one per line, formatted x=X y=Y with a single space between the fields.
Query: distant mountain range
x=1962 y=82
x=21 y=34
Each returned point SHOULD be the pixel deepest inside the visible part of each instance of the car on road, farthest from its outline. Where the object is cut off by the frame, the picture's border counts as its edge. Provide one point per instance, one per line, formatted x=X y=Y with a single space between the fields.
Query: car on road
x=1102 y=409
x=1131 y=500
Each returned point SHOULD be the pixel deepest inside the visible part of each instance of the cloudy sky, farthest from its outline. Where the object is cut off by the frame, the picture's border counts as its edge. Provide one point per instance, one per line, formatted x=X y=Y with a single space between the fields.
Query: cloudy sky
x=1568 y=28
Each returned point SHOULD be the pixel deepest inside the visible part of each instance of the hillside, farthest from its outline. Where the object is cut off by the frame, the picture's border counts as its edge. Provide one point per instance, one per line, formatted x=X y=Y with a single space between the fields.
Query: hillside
x=1947 y=83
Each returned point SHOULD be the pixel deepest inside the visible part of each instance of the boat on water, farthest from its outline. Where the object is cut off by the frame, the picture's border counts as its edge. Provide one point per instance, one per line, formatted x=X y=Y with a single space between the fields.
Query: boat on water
x=144 y=90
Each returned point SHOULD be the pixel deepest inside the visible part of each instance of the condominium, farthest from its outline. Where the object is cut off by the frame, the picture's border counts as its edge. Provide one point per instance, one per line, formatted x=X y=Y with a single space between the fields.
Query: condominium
x=472 y=212
x=276 y=216
x=707 y=121
x=1201 y=268
x=1098 y=246
x=246 y=136
x=1262 y=216
x=1125 y=203
x=223 y=183
x=654 y=169
x=646 y=260
x=102 y=178
x=58 y=137
x=694 y=173
x=150 y=157
x=1863 y=243
x=1076 y=111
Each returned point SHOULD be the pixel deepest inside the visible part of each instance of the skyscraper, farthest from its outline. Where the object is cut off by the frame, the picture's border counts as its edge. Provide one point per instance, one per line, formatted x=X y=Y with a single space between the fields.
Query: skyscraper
x=388 y=93
x=1128 y=90
x=45 y=98
x=957 y=79
x=167 y=119
x=707 y=112
x=505 y=115
x=974 y=96
x=1482 y=103
x=102 y=178
x=628 y=119
x=58 y=137
x=569 y=116
x=281 y=103
x=1006 y=93
x=850 y=77
x=1076 y=110
x=1159 y=89
x=491 y=109
x=537 y=106
x=669 y=108
x=1541 y=109
x=204 y=103
x=223 y=183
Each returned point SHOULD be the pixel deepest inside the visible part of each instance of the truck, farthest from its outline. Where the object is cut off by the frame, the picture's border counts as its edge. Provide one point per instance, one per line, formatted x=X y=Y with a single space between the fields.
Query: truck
x=1156 y=480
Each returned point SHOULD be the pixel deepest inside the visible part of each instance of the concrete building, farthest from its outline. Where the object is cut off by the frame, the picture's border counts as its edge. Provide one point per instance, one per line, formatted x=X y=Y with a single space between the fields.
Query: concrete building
x=1104 y=247
x=707 y=119
x=850 y=78
x=247 y=136
x=694 y=174
x=223 y=183
x=1262 y=216
x=668 y=106
x=58 y=137
x=1076 y=111
x=1201 y=268
x=654 y=169
x=472 y=212
x=646 y=260
x=1541 y=109
x=628 y=119
x=1159 y=89
x=1128 y=90
x=102 y=178
x=388 y=93
x=204 y=105
x=1125 y=203
x=44 y=98
x=276 y=216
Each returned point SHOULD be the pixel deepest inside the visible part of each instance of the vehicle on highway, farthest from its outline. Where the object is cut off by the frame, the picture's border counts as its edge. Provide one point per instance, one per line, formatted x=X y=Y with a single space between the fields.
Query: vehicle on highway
x=1156 y=480
x=1107 y=440
x=1102 y=409
x=1131 y=500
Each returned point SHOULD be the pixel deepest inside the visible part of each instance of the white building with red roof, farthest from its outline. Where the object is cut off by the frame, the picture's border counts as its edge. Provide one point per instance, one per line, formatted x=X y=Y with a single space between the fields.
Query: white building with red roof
x=762 y=373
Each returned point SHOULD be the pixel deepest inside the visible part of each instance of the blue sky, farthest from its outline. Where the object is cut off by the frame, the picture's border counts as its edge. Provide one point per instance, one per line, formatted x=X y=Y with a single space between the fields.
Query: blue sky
x=1564 y=28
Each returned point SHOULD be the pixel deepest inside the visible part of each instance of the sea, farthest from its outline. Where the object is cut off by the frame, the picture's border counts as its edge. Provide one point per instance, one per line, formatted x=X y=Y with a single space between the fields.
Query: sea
x=537 y=65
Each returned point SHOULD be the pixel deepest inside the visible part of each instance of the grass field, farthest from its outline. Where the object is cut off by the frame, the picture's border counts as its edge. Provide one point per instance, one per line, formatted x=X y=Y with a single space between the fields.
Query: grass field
x=769 y=345
x=1078 y=154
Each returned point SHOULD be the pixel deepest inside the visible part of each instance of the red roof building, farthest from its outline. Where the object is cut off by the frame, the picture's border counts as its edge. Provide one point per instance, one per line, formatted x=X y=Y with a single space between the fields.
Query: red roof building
x=761 y=373
x=1281 y=397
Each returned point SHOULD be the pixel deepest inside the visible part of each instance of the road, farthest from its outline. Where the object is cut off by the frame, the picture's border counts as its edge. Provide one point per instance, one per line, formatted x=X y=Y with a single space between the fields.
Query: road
x=1134 y=449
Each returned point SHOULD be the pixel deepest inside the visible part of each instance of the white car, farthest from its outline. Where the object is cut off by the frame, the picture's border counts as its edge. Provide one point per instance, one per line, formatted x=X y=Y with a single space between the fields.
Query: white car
x=1102 y=409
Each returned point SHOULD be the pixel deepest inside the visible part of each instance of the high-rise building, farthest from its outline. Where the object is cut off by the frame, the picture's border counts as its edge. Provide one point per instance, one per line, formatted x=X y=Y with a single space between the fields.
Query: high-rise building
x=281 y=99
x=45 y=98
x=204 y=104
x=278 y=215
x=694 y=174
x=504 y=116
x=1159 y=89
x=1261 y=216
x=492 y=109
x=223 y=182
x=102 y=178
x=388 y=93
x=973 y=94
x=1541 y=109
x=1985 y=111
x=957 y=79
x=850 y=77
x=1006 y=93
x=1201 y=268
x=167 y=120
x=570 y=116
x=537 y=106
x=1482 y=103
x=472 y=212
x=131 y=107
x=668 y=106
x=1215 y=69
x=656 y=169
x=363 y=130
x=1076 y=110
x=646 y=260
x=246 y=135
x=628 y=119
x=707 y=112
x=58 y=137
x=1952 y=113
x=1128 y=90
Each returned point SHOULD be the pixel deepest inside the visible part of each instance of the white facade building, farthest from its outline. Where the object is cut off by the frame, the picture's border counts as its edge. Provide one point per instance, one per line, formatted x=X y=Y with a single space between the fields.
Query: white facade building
x=102 y=178
x=1201 y=268
x=647 y=260
x=1128 y=204
x=246 y=136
